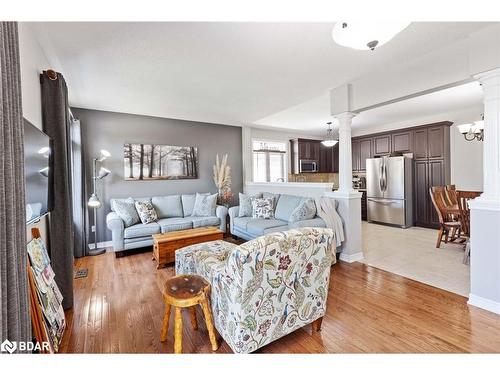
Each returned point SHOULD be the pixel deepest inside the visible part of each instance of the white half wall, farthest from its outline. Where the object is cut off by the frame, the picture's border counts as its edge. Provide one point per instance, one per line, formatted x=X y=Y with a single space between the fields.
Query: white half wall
x=33 y=61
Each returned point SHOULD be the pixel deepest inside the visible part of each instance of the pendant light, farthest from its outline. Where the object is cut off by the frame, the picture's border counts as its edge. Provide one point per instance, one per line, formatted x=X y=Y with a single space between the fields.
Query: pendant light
x=329 y=141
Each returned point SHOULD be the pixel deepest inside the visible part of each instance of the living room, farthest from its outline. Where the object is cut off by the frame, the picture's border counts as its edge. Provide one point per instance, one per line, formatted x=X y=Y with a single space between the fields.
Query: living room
x=199 y=187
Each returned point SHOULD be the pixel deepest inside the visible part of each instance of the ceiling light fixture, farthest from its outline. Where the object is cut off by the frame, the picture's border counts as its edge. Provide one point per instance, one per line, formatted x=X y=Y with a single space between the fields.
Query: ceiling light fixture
x=330 y=140
x=366 y=35
x=474 y=131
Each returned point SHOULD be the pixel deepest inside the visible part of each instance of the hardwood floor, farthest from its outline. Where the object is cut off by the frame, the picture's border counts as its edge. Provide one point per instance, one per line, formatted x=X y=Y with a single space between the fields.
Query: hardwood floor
x=119 y=309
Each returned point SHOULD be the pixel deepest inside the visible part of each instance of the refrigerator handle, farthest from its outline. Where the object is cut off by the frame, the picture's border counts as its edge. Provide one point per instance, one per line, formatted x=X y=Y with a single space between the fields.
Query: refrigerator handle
x=385 y=176
x=381 y=175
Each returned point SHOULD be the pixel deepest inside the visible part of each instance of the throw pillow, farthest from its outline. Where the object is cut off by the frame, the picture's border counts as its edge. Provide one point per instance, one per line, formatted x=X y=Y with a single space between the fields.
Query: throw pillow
x=262 y=208
x=205 y=205
x=305 y=210
x=125 y=208
x=146 y=211
x=246 y=204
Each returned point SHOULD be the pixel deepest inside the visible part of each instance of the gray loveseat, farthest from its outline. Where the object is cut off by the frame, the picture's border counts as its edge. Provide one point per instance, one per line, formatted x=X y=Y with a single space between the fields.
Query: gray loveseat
x=249 y=228
x=174 y=213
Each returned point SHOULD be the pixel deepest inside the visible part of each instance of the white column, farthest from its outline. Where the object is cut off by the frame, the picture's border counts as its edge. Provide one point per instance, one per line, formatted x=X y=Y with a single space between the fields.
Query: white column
x=349 y=200
x=485 y=210
x=345 y=151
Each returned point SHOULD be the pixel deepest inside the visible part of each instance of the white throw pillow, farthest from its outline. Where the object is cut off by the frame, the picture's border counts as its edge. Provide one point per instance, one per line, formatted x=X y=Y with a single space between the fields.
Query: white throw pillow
x=205 y=205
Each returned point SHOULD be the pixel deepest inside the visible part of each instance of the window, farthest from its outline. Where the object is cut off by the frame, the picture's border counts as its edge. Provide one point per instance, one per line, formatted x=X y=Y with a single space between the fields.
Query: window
x=268 y=161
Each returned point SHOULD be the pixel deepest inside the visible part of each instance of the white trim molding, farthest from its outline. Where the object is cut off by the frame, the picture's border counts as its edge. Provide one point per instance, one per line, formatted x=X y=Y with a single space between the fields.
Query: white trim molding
x=106 y=244
x=351 y=258
x=484 y=303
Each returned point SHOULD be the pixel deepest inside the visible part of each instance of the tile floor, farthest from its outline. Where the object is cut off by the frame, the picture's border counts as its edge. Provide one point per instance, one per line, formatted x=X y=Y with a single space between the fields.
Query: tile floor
x=412 y=253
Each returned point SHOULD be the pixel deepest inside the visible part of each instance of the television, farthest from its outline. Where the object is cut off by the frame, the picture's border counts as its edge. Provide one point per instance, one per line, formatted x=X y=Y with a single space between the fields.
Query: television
x=37 y=162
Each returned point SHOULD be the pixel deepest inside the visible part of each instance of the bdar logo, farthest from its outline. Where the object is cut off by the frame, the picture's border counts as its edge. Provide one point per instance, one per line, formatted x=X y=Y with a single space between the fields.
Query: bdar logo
x=8 y=346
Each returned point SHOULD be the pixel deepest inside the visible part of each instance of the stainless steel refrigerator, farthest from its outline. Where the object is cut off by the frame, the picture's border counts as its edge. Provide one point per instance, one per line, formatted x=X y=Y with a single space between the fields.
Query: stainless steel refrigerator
x=389 y=190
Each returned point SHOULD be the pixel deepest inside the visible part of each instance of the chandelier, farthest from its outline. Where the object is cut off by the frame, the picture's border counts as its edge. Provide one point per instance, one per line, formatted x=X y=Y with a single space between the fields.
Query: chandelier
x=474 y=131
x=330 y=140
x=366 y=35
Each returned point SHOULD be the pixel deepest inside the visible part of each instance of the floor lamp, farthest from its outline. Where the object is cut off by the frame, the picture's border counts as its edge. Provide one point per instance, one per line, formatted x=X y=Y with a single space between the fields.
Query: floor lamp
x=94 y=201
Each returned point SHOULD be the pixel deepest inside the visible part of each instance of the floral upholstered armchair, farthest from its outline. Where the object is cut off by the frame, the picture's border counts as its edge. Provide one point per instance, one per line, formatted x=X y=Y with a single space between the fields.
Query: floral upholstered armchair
x=264 y=288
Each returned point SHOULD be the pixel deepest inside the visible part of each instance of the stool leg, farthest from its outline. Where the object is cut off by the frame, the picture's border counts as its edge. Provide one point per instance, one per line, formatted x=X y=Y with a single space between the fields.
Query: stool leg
x=192 y=314
x=166 y=319
x=205 y=305
x=178 y=331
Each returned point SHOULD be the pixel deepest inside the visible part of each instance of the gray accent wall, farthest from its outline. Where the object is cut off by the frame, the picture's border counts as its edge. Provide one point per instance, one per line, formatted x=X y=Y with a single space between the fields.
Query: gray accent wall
x=111 y=130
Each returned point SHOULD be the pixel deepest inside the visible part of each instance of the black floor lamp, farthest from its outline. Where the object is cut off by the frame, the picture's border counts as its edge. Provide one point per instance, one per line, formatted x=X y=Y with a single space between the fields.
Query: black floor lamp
x=94 y=201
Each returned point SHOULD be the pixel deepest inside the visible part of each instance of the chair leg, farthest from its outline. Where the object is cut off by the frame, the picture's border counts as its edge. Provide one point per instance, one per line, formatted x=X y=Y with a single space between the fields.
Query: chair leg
x=192 y=314
x=446 y=234
x=209 y=322
x=316 y=325
x=467 y=253
x=164 y=327
x=178 y=331
x=440 y=237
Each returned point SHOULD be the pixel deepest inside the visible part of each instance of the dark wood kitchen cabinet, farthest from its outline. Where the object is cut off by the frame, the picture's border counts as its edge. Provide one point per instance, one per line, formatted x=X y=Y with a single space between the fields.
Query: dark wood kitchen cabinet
x=382 y=145
x=309 y=149
x=402 y=142
x=329 y=159
x=430 y=146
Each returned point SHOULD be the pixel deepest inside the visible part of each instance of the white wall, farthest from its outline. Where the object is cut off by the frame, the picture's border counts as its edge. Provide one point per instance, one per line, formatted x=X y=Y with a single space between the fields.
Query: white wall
x=466 y=157
x=33 y=61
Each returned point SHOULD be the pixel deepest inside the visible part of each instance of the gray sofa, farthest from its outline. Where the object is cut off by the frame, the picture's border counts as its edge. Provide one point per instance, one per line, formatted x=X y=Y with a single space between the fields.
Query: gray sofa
x=249 y=228
x=174 y=213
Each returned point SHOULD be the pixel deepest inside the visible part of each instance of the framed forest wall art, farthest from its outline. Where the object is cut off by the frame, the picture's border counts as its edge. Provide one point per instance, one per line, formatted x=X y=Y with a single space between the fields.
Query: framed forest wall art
x=159 y=162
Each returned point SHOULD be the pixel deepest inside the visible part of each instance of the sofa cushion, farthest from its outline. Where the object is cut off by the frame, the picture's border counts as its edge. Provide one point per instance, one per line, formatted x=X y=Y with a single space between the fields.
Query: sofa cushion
x=205 y=205
x=168 y=206
x=246 y=203
x=174 y=223
x=306 y=210
x=204 y=221
x=125 y=209
x=241 y=222
x=113 y=200
x=263 y=208
x=272 y=195
x=141 y=230
x=317 y=222
x=188 y=203
x=258 y=226
x=146 y=212
x=286 y=205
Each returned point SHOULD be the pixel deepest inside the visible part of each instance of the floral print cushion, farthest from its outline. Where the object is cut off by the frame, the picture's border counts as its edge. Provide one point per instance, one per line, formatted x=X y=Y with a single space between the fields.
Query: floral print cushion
x=146 y=212
x=267 y=287
x=263 y=208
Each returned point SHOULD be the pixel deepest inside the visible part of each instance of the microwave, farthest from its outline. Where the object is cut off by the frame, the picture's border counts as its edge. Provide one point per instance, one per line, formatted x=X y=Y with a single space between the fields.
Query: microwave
x=307 y=166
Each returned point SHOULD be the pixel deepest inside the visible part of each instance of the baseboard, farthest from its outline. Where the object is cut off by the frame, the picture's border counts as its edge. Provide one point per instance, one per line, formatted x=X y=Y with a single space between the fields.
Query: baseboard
x=105 y=244
x=350 y=258
x=484 y=303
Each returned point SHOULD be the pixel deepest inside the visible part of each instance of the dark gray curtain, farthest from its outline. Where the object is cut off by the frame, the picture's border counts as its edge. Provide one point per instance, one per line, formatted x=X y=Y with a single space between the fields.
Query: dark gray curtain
x=56 y=124
x=14 y=311
x=78 y=189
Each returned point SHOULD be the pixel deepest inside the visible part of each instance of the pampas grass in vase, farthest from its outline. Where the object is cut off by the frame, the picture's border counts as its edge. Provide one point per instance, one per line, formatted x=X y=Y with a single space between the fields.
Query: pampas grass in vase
x=222 y=179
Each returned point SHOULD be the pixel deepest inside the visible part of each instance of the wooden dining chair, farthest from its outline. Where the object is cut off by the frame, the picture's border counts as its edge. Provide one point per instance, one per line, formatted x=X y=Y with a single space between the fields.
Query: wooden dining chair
x=447 y=225
x=463 y=198
x=451 y=195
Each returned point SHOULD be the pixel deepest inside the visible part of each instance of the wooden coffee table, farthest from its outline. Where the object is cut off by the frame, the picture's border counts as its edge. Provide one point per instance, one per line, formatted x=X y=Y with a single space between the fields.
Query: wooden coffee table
x=165 y=244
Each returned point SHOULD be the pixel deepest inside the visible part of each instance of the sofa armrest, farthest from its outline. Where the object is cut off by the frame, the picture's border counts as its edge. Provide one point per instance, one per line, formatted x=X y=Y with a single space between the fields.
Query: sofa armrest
x=233 y=212
x=116 y=226
x=221 y=213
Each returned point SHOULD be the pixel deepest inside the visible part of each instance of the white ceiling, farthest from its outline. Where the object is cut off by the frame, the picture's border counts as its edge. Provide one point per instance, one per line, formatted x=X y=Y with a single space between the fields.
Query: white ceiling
x=314 y=114
x=231 y=73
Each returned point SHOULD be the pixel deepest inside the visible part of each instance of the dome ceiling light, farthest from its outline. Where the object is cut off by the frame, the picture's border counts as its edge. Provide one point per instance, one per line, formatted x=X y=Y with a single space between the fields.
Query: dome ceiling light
x=366 y=35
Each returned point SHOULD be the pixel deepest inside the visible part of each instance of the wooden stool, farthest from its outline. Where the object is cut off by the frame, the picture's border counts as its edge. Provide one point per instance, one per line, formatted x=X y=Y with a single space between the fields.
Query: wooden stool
x=187 y=291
